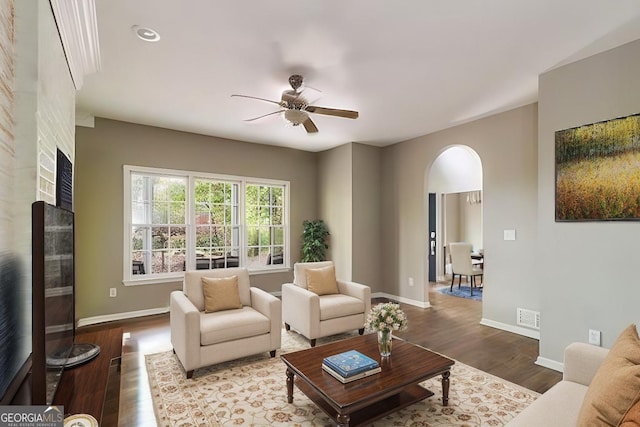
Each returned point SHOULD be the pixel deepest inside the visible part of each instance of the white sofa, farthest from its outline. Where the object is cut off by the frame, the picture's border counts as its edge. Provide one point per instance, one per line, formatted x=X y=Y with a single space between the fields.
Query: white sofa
x=200 y=339
x=316 y=316
x=561 y=404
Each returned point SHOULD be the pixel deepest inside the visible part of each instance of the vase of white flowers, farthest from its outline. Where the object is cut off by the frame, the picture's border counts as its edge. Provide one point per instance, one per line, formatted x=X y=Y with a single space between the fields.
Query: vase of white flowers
x=385 y=318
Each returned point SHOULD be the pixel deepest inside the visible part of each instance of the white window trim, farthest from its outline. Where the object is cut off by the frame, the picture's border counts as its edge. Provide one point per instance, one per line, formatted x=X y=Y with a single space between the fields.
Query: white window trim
x=191 y=177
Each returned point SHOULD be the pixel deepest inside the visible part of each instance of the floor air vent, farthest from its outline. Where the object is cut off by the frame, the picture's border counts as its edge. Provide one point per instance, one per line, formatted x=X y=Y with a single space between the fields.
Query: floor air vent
x=528 y=318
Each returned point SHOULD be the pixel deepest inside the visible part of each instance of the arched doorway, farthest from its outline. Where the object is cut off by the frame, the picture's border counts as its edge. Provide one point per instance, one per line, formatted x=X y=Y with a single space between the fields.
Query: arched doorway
x=454 y=213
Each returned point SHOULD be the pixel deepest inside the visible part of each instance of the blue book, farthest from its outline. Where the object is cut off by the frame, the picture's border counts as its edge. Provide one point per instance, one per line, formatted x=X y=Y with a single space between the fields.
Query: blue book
x=350 y=363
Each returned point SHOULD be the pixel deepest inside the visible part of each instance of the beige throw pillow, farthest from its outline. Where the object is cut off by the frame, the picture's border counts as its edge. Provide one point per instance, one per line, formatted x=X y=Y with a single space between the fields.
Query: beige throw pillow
x=322 y=281
x=616 y=386
x=632 y=418
x=220 y=293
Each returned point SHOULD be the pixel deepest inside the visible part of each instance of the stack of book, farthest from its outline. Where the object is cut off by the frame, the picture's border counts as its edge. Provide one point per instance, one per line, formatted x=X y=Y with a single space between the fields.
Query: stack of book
x=350 y=366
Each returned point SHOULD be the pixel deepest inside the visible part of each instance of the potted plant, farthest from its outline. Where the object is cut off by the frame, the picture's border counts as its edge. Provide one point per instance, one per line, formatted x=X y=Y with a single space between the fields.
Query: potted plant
x=314 y=235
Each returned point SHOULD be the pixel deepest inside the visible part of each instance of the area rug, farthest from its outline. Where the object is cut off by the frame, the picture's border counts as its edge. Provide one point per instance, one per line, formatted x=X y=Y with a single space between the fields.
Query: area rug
x=252 y=391
x=462 y=292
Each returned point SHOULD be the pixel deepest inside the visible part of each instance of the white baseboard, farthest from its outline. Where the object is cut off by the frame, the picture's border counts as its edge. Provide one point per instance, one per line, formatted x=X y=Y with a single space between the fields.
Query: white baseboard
x=421 y=304
x=121 y=316
x=150 y=312
x=510 y=328
x=550 y=363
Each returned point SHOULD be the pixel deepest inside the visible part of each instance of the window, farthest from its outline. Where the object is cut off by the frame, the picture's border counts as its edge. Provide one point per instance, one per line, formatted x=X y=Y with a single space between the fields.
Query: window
x=178 y=220
x=265 y=224
x=217 y=224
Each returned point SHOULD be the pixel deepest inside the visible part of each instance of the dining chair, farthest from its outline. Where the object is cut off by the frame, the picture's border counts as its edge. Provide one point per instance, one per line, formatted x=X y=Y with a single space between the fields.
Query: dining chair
x=461 y=264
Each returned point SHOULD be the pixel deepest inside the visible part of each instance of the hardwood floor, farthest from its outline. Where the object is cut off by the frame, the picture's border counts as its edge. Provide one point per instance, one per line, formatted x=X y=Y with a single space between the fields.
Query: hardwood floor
x=451 y=327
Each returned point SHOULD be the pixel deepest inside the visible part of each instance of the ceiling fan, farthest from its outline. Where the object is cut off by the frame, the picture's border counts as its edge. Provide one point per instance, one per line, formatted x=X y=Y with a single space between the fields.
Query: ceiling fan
x=296 y=107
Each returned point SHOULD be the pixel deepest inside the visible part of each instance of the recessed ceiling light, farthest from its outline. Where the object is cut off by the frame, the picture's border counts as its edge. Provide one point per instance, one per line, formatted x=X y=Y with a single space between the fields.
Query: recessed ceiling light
x=146 y=34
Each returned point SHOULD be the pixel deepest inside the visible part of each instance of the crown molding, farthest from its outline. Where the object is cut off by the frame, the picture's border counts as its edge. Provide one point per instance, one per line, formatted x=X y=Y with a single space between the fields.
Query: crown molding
x=78 y=28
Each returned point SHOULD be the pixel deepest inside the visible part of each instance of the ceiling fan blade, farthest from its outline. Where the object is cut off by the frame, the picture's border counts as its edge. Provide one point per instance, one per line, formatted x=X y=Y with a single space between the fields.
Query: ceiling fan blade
x=348 y=114
x=255 y=97
x=264 y=115
x=310 y=126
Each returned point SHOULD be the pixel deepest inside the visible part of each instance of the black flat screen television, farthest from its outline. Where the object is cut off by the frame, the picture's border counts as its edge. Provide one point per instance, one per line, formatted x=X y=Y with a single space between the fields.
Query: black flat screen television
x=53 y=298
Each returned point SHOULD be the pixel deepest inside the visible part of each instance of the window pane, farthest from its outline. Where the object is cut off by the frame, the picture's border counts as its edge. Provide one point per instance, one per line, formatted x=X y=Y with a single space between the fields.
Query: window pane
x=178 y=213
x=277 y=196
x=252 y=252
x=137 y=187
x=159 y=237
x=178 y=238
x=138 y=213
x=278 y=235
x=203 y=237
x=227 y=236
x=139 y=237
x=203 y=218
x=276 y=216
x=252 y=215
x=160 y=261
x=252 y=236
x=202 y=191
x=265 y=236
x=160 y=189
x=160 y=213
x=176 y=261
x=227 y=215
x=251 y=195
x=217 y=214
x=177 y=190
x=265 y=216
x=265 y=196
x=217 y=192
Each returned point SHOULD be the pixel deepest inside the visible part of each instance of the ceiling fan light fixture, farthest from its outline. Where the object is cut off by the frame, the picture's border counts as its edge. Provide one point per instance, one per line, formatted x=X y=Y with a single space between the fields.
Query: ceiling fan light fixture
x=295 y=117
x=146 y=34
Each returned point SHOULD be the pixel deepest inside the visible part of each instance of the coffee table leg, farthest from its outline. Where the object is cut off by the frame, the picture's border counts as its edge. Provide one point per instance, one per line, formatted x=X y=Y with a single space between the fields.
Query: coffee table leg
x=290 y=375
x=343 y=420
x=445 y=388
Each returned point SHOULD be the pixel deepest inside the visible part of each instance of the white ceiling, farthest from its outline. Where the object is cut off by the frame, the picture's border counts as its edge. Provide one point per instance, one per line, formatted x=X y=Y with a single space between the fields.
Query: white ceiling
x=410 y=67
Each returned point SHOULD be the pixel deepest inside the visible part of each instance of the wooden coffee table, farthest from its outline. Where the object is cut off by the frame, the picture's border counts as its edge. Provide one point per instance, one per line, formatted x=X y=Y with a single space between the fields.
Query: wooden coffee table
x=364 y=400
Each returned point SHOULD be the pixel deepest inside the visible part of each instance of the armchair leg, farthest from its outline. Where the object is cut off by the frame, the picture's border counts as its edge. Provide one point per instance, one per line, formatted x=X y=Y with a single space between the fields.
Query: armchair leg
x=272 y=353
x=312 y=342
x=361 y=331
x=287 y=327
x=190 y=374
x=453 y=279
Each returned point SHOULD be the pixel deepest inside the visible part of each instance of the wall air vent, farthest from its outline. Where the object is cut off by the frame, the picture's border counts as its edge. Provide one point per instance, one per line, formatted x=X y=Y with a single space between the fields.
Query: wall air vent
x=528 y=318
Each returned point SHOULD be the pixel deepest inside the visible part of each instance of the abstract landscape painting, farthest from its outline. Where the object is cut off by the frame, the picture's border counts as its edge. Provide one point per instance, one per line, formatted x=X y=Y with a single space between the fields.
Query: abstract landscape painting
x=598 y=171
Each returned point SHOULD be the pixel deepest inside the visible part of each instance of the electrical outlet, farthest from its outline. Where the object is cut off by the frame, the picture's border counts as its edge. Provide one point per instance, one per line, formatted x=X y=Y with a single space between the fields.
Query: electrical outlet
x=113 y=292
x=594 y=337
x=410 y=281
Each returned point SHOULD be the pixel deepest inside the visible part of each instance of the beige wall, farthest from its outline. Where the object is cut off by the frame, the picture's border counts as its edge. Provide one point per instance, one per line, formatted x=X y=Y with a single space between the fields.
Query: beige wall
x=463 y=221
x=349 y=194
x=470 y=221
x=101 y=153
x=586 y=270
x=335 y=204
x=366 y=216
x=506 y=144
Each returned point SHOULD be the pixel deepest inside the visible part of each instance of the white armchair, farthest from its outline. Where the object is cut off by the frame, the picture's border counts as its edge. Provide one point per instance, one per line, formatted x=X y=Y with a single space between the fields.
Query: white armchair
x=316 y=316
x=202 y=338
